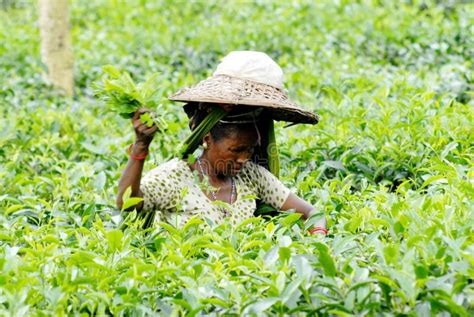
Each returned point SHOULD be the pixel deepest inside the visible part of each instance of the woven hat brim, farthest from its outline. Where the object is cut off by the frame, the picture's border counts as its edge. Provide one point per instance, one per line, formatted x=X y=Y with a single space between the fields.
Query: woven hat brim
x=239 y=91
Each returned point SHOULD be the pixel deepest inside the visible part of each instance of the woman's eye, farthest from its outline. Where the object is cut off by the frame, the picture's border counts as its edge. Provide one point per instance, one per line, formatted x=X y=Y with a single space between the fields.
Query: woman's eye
x=238 y=151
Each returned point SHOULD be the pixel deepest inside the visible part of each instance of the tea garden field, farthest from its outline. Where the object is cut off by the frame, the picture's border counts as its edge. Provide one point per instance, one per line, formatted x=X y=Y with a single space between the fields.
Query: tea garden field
x=390 y=164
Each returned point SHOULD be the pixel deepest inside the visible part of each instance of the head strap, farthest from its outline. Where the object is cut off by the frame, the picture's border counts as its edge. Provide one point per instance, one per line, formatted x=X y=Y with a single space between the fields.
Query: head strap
x=247 y=117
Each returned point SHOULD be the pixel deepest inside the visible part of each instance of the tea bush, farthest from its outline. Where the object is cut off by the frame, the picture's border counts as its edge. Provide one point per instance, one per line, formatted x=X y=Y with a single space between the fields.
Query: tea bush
x=390 y=164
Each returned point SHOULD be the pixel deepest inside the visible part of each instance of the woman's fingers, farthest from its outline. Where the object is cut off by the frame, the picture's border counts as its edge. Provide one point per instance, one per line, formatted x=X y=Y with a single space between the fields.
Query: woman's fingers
x=139 y=112
x=153 y=128
x=151 y=131
x=138 y=118
x=143 y=128
x=137 y=124
x=143 y=132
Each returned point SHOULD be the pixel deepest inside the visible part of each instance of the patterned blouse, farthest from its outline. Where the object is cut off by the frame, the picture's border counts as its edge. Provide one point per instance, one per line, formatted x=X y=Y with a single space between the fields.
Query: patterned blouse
x=176 y=194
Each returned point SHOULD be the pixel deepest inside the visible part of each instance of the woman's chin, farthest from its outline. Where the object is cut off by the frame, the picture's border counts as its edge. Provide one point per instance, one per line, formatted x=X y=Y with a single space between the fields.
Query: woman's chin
x=232 y=172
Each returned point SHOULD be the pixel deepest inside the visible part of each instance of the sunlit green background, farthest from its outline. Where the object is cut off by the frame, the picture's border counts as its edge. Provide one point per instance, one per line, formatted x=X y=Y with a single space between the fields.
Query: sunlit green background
x=390 y=163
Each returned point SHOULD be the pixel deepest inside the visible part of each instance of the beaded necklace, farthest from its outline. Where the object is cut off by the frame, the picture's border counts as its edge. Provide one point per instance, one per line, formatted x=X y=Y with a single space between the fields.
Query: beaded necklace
x=214 y=194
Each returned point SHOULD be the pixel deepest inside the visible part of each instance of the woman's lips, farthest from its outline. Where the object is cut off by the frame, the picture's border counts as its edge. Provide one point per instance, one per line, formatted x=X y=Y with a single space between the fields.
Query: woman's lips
x=235 y=168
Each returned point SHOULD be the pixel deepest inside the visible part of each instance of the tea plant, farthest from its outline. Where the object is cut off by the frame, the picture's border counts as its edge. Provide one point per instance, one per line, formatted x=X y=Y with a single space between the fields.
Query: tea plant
x=390 y=163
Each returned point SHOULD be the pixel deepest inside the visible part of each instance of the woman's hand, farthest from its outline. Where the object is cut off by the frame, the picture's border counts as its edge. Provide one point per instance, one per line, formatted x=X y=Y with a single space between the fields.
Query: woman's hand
x=307 y=210
x=132 y=174
x=143 y=133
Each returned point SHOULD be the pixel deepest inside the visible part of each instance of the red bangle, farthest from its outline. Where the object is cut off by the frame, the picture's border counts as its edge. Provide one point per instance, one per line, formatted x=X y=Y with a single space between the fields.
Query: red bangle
x=318 y=229
x=136 y=157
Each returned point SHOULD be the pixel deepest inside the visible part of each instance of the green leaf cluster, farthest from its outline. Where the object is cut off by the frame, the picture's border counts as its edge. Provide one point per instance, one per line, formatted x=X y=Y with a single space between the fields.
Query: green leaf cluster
x=122 y=95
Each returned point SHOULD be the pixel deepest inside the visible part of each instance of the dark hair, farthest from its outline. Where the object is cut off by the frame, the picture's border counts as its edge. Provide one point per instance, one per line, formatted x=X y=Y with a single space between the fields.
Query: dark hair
x=225 y=130
x=197 y=113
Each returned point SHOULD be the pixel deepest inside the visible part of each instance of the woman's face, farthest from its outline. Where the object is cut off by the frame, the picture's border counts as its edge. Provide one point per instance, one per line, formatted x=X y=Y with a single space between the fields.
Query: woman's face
x=228 y=155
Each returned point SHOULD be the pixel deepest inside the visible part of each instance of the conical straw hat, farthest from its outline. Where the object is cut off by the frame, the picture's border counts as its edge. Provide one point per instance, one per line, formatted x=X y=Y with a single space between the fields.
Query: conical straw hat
x=248 y=78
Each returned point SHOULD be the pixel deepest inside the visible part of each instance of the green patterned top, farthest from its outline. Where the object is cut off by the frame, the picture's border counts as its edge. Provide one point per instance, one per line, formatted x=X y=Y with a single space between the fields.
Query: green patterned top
x=175 y=193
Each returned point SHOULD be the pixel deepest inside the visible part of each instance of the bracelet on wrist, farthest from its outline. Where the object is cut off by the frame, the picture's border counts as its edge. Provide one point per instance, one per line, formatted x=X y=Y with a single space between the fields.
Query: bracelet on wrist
x=136 y=157
x=318 y=230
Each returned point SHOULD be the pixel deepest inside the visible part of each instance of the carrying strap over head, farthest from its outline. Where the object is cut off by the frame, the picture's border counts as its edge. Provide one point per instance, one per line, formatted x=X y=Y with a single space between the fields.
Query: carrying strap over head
x=246 y=118
x=193 y=141
x=272 y=151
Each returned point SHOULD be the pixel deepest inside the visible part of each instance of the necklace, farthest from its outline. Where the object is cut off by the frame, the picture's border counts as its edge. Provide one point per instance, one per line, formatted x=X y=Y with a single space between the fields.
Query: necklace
x=214 y=194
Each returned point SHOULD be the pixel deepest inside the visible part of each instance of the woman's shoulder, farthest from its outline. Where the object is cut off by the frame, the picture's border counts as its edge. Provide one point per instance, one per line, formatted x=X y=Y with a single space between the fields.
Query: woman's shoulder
x=171 y=167
x=252 y=171
x=257 y=174
x=251 y=167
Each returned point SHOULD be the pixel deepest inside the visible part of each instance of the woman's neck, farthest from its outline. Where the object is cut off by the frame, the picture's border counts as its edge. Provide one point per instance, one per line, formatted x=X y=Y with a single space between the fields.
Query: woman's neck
x=208 y=170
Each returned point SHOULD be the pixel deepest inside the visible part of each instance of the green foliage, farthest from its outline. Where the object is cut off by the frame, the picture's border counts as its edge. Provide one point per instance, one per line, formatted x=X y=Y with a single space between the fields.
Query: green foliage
x=121 y=95
x=390 y=163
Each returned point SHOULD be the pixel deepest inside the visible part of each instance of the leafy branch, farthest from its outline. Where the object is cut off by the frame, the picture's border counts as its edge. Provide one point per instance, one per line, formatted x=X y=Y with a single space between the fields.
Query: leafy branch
x=122 y=95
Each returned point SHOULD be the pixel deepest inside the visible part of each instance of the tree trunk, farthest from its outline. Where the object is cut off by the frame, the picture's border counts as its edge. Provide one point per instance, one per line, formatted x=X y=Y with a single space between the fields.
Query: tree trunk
x=56 y=48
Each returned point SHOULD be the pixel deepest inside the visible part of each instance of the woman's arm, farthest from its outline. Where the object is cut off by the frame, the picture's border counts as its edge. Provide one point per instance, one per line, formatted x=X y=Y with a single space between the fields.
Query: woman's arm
x=303 y=207
x=131 y=176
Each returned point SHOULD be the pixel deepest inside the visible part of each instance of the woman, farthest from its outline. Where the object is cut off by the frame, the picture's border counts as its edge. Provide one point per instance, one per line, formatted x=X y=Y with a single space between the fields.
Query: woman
x=237 y=105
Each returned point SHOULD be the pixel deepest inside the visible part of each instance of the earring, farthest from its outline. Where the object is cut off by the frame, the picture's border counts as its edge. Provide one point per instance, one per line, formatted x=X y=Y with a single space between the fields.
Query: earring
x=204 y=145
